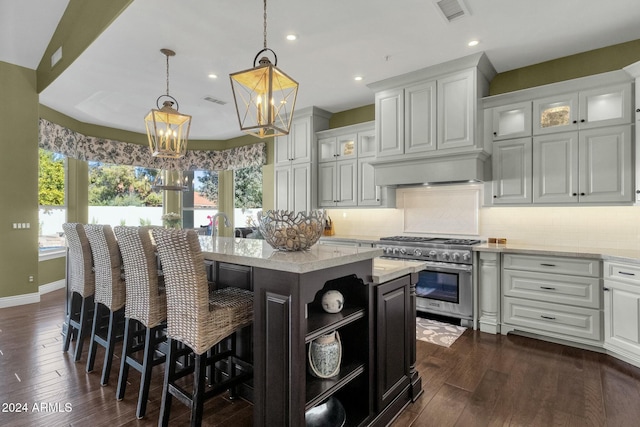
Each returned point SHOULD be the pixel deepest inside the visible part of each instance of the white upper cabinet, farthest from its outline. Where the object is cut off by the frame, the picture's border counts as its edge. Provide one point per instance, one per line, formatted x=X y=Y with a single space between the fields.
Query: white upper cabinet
x=432 y=111
x=420 y=117
x=456 y=110
x=587 y=109
x=511 y=121
x=390 y=122
x=295 y=181
x=295 y=147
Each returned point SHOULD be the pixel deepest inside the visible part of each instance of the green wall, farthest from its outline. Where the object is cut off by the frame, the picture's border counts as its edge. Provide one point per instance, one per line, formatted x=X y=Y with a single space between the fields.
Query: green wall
x=18 y=180
x=583 y=64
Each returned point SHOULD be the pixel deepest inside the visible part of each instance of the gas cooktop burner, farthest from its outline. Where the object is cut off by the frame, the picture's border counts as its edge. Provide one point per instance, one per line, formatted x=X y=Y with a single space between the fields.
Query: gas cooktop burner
x=434 y=240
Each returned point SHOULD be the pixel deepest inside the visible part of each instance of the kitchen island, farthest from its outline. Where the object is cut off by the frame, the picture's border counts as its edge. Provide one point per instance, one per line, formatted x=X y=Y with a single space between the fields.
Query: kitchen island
x=377 y=378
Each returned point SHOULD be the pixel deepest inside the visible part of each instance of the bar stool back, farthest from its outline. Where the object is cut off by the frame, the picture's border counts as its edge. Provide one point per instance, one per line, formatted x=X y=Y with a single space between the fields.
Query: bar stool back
x=198 y=318
x=145 y=310
x=80 y=287
x=108 y=315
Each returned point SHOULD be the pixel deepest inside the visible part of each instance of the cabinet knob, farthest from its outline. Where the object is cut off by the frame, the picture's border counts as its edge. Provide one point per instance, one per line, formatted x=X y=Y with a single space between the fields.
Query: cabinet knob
x=495 y=197
x=582 y=121
x=574 y=122
x=495 y=134
x=575 y=194
x=637 y=110
x=605 y=289
x=637 y=191
x=582 y=194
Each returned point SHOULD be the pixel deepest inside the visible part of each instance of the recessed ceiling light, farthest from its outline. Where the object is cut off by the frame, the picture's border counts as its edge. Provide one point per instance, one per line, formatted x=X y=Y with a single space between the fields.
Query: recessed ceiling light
x=358 y=78
x=292 y=37
x=213 y=76
x=473 y=43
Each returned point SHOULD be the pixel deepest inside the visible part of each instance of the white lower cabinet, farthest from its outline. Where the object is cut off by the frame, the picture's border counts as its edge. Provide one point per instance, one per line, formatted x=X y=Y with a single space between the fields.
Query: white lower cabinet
x=559 y=297
x=622 y=311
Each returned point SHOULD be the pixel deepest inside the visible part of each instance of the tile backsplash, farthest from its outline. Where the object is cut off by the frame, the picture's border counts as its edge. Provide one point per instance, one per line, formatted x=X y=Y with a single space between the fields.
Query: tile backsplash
x=583 y=226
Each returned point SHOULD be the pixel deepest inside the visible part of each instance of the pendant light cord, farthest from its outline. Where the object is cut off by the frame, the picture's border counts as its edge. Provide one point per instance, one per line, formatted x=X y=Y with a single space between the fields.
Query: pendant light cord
x=265 y=24
x=168 y=73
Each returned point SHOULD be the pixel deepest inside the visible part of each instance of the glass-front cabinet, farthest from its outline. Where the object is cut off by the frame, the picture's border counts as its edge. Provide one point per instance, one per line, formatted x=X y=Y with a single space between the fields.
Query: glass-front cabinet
x=337 y=148
x=605 y=106
x=512 y=121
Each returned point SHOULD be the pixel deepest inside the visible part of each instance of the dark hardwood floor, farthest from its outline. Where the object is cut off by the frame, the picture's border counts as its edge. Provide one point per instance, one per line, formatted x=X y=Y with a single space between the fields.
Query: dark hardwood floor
x=481 y=380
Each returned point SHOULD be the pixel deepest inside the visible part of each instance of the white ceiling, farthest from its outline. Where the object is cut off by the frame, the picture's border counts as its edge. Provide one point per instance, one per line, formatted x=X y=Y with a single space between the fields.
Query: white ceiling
x=116 y=81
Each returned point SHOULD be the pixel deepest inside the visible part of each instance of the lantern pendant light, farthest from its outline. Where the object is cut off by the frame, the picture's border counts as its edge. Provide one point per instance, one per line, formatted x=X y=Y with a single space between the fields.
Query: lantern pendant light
x=167 y=129
x=264 y=95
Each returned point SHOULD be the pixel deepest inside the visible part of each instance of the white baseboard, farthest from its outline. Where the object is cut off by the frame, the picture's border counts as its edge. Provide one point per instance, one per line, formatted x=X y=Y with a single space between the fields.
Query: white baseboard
x=19 y=300
x=33 y=297
x=53 y=286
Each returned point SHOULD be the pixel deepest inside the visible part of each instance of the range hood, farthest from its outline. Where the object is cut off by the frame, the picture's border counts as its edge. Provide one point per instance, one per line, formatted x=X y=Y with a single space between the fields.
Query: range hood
x=436 y=169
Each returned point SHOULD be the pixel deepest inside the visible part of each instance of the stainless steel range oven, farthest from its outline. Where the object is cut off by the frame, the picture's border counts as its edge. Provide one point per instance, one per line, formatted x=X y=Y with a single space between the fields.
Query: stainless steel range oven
x=445 y=286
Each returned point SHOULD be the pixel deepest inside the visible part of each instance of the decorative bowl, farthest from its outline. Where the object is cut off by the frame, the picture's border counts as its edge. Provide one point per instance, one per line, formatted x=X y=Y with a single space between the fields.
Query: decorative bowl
x=291 y=231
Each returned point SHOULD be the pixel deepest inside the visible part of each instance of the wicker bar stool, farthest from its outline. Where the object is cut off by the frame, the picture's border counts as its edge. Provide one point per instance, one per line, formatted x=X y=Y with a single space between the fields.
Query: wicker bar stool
x=80 y=285
x=145 y=311
x=198 y=318
x=108 y=313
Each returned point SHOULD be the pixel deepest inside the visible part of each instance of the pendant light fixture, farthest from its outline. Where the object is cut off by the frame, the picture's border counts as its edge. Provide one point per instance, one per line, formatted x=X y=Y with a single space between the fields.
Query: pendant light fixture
x=167 y=129
x=265 y=97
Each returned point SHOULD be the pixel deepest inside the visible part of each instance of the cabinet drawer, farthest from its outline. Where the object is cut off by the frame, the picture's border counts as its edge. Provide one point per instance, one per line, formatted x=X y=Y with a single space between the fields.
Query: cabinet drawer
x=560 y=319
x=556 y=288
x=624 y=272
x=558 y=265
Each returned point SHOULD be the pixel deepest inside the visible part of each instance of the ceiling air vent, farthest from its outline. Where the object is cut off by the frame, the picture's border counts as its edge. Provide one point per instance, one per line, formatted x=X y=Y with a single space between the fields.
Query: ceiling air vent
x=452 y=9
x=215 y=100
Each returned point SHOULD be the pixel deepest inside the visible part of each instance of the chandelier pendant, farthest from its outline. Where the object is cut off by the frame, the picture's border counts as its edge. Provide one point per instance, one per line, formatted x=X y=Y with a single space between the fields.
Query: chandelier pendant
x=264 y=95
x=167 y=129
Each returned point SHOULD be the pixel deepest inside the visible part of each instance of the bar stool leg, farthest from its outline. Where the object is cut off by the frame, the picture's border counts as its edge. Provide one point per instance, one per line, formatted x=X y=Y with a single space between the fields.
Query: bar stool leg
x=197 y=404
x=114 y=317
x=169 y=374
x=147 y=365
x=91 y=358
x=127 y=343
x=70 y=329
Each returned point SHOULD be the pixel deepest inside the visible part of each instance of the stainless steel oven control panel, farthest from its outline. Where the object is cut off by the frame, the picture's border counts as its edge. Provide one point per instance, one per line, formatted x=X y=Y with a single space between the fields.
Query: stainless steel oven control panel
x=458 y=256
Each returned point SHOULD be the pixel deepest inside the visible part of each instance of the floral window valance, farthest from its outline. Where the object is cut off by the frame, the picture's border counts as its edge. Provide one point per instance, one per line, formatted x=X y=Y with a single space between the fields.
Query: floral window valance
x=65 y=141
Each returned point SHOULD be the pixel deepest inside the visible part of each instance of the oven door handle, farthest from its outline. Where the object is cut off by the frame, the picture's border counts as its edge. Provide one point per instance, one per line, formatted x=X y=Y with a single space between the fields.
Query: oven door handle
x=447 y=268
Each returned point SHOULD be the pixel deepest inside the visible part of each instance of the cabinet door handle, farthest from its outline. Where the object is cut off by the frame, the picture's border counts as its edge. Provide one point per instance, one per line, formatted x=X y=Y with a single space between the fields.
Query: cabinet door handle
x=575 y=121
x=626 y=274
x=547 y=265
x=495 y=197
x=582 y=194
x=495 y=134
x=575 y=194
x=548 y=288
x=582 y=121
x=605 y=289
x=547 y=317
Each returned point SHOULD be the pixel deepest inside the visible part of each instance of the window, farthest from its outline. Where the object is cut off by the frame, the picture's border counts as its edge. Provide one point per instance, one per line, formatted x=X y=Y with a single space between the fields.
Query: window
x=122 y=195
x=202 y=203
x=247 y=196
x=52 y=212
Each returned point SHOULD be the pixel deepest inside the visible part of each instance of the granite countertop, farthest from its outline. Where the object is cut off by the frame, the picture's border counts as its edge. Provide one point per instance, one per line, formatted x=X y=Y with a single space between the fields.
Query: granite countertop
x=608 y=254
x=385 y=269
x=258 y=253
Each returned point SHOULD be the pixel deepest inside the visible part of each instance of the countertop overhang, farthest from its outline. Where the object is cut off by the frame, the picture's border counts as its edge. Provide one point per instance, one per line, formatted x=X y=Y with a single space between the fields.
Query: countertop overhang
x=258 y=253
